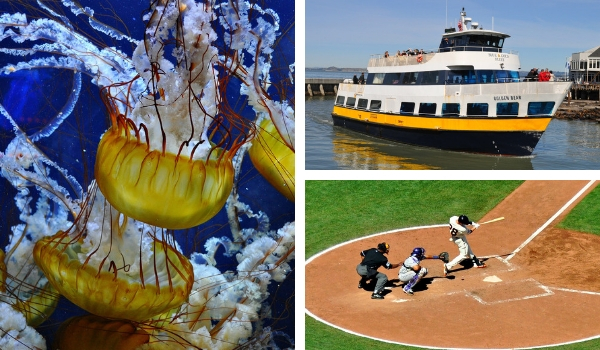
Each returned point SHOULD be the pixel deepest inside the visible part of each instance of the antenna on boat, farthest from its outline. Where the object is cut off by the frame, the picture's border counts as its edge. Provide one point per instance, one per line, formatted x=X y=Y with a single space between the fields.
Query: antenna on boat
x=446 y=14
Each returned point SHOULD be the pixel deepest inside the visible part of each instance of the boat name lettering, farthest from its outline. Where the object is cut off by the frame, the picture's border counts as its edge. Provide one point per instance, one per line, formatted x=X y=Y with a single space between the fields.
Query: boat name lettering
x=507 y=98
x=498 y=56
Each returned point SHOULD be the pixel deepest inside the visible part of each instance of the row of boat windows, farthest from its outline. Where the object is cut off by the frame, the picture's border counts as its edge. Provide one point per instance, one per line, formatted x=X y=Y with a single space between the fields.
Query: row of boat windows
x=452 y=109
x=441 y=77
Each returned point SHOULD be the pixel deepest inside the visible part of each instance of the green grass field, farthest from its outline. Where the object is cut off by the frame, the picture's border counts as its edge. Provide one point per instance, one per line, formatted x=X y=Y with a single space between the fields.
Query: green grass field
x=338 y=211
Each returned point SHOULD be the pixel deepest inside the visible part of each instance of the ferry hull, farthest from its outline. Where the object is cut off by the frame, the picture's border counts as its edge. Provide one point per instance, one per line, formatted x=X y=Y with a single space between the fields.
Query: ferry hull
x=513 y=143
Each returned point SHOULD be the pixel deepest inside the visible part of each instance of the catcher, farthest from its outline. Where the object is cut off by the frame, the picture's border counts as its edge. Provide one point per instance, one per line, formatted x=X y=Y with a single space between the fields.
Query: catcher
x=411 y=271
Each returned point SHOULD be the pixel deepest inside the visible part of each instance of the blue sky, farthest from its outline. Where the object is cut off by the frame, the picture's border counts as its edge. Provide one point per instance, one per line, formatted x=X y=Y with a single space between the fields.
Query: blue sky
x=344 y=33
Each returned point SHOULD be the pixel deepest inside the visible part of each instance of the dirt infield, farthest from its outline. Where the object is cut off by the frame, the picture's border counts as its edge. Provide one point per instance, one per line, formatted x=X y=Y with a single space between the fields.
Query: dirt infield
x=546 y=293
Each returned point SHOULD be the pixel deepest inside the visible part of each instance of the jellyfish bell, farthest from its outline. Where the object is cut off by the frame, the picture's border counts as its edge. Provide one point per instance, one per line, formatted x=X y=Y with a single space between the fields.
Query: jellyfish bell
x=113 y=267
x=274 y=159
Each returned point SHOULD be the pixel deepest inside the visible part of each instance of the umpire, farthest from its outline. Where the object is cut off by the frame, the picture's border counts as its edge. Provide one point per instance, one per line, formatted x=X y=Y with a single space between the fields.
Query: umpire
x=372 y=259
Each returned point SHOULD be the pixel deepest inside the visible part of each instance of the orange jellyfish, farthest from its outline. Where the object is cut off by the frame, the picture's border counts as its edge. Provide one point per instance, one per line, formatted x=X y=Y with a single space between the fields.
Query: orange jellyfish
x=106 y=266
x=91 y=332
x=274 y=159
x=167 y=158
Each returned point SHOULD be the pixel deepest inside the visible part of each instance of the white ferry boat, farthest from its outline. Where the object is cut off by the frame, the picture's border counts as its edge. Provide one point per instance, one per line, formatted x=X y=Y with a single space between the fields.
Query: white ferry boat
x=465 y=96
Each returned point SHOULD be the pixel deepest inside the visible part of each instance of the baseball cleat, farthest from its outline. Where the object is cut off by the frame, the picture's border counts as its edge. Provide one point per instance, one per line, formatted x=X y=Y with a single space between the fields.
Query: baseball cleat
x=445 y=271
x=360 y=285
x=408 y=291
x=376 y=296
x=481 y=266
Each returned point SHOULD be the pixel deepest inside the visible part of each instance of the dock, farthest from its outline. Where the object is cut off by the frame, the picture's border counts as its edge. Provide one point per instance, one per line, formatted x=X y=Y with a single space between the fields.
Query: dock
x=321 y=87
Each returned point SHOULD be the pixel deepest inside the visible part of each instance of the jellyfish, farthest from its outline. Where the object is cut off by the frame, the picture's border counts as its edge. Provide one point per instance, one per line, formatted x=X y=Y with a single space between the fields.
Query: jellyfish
x=111 y=267
x=274 y=159
x=227 y=96
x=157 y=163
x=91 y=332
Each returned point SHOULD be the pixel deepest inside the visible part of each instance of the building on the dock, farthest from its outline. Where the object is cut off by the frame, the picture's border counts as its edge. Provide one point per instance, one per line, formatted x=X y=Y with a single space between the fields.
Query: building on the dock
x=585 y=66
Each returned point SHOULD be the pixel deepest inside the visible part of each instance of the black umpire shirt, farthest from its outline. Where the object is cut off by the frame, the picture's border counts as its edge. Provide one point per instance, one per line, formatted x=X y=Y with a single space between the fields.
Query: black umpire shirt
x=373 y=258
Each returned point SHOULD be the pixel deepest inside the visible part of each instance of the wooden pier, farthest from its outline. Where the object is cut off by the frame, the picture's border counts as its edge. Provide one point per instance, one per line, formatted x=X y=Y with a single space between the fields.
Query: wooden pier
x=590 y=92
x=321 y=87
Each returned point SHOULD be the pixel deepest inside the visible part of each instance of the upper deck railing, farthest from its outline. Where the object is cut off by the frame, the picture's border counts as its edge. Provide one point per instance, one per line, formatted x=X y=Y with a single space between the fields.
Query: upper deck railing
x=378 y=60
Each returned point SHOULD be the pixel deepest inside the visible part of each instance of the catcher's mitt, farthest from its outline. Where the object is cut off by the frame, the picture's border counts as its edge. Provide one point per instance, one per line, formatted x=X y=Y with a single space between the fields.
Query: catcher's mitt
x=444 y=257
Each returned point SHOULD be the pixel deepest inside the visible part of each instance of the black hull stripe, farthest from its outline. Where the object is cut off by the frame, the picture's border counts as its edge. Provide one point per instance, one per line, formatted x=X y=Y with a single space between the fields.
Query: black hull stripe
x=514 y=143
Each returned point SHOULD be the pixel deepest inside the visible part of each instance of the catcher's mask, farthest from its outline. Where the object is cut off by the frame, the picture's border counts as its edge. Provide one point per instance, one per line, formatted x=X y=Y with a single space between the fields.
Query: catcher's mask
x=463 y=219
x=418 y=252
x=384 y=247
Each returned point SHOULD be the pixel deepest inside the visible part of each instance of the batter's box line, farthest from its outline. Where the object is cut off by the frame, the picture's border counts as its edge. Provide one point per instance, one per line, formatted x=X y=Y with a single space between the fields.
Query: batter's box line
x=547 y=290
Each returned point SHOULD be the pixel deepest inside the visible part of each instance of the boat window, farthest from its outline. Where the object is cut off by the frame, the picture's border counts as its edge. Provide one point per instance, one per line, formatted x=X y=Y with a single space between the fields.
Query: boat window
x=378 y=78
x=351 y=101
x=431 y=78
x=452 y=109
x=375 y=105
x=407 y=108
x=507 y=76
x=339 y=100
x=362 y=103
x=477 y=109
x=540 y=108
x=410 y=78
x=486 y=76
x=427 y=109
x=392 y=78
x=507 y=109
x=460 y=42
x=461 y=77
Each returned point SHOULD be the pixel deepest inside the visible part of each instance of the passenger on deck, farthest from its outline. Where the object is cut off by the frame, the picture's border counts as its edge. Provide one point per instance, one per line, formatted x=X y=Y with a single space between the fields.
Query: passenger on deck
x=386 y=55
x=552 y=77
x=355 y=79
x=361 y=79
x=531 y=75
x=544 y=75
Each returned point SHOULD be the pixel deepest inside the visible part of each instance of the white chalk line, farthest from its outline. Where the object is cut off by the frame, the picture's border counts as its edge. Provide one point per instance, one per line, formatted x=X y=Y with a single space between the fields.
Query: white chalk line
x=547 y=223
x=547 y=292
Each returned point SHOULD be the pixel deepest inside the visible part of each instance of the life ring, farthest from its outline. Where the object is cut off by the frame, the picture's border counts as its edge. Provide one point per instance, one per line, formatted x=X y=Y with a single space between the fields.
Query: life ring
x=420 y=58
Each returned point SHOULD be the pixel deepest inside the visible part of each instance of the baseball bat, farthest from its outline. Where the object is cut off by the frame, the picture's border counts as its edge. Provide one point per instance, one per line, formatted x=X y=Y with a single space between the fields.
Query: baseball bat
x=494 y=220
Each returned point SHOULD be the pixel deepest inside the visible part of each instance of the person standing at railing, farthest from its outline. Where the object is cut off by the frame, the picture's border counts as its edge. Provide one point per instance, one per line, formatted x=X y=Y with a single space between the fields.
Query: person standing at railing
x=361 y=79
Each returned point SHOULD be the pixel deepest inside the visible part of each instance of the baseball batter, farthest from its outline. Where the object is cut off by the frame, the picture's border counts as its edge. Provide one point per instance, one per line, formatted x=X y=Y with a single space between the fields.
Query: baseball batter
x=411 y=271
x=458 y=234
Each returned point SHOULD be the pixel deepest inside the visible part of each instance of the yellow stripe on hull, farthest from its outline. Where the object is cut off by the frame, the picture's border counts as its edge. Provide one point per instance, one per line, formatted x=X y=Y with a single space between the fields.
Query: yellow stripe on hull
x=538 y=124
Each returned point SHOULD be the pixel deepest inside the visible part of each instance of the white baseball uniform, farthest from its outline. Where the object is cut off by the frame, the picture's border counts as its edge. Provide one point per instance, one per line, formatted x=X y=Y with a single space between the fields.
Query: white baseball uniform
x=458 y=233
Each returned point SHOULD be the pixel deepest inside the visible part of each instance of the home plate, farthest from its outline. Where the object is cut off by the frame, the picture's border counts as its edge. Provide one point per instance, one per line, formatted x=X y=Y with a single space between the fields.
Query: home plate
x=400 y=300
x=492 y=279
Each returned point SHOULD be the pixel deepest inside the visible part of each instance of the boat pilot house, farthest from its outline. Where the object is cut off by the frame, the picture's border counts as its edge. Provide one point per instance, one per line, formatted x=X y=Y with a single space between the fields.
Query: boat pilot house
x=465 y=96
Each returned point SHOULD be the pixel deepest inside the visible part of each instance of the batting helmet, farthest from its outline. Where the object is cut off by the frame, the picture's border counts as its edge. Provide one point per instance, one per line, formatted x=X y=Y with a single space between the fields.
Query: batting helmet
x=419 y=253
x=463 y=219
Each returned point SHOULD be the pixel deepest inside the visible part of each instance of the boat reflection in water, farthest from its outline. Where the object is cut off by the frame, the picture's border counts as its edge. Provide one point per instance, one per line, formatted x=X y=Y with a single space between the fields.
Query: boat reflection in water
x=352 y=150
x=134 y=236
